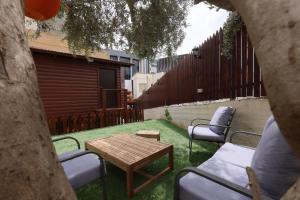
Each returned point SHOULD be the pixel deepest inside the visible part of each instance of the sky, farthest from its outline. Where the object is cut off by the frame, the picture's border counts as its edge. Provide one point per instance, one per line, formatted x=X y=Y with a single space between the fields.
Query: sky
x=202 y=23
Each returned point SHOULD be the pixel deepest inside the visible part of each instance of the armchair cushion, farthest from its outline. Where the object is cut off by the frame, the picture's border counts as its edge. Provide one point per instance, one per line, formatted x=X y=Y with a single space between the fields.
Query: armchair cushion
x=235 y=154
x=220 y=117
x=194 y=187
x=204 y=133
x=275 y=164
x=82 y=170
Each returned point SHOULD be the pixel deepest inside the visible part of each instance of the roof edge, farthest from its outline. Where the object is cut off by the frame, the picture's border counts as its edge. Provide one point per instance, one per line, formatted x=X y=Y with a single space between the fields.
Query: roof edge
x=118 y=63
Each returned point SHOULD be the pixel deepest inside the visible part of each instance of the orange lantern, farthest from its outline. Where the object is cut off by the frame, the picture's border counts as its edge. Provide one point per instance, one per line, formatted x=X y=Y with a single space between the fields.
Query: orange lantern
x=41 y=9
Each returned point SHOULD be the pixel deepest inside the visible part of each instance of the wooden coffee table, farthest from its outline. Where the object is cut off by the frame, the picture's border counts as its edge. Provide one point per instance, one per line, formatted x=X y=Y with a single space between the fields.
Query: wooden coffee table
x=131 y=153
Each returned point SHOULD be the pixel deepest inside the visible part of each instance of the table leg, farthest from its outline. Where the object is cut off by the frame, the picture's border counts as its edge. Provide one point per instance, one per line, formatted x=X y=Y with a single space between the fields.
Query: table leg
x=171 y=165
x=129 y=182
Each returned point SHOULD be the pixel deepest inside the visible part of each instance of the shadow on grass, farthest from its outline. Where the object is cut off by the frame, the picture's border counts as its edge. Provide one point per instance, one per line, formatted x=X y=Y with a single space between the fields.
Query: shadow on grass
x=209 y=146
x=196 y=158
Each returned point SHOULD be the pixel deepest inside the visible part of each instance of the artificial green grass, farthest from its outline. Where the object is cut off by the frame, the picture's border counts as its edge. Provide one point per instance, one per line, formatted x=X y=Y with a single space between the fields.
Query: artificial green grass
x=161 y=189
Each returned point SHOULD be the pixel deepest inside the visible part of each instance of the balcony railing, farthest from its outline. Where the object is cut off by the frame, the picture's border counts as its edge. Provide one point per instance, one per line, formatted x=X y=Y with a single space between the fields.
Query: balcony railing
x=113 y=110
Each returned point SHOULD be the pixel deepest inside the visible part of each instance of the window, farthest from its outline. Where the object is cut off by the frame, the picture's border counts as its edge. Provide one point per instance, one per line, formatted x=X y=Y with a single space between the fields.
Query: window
x=136 y=67
x=127 y=73
x=124 y=59
x=114 y=57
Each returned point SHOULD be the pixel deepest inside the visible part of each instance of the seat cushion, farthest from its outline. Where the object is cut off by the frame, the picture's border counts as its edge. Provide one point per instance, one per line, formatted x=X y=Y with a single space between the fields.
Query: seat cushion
x=194 y=187
x=204 y=133
x=235 y=154
x=220 y=117
x=68 y=154
x=82 y=170
x=275 y=164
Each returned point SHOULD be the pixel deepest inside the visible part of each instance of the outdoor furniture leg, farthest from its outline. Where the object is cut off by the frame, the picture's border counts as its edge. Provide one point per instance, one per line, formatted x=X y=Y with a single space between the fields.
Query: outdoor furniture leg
x=190 y=146
x=171 y=158
x=130 y=182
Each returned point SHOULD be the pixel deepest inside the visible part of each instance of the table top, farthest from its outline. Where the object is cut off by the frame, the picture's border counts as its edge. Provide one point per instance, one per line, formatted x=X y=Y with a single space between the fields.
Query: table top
x=126 y=150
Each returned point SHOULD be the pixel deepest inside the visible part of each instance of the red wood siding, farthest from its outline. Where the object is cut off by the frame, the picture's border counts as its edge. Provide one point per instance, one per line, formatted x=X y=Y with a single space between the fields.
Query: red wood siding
x=67 y=84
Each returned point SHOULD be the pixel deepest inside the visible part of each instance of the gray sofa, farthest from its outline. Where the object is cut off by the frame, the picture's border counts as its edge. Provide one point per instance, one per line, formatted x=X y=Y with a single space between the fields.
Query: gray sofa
x=224 y=176
x=82 y=167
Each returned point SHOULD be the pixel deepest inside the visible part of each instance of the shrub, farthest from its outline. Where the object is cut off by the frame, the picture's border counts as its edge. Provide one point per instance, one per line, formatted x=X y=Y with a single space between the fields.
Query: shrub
x=167 y=115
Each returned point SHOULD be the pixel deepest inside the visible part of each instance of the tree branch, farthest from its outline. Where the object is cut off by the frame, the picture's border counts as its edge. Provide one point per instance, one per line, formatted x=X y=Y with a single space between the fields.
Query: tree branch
x=224 y=4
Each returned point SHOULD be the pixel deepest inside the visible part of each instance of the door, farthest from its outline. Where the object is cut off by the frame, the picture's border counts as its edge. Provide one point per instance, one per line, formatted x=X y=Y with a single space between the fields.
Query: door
x=108 y=82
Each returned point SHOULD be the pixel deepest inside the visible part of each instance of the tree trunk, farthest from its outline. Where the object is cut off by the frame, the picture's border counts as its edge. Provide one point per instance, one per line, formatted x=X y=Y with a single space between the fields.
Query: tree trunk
x=274 y=29
x=29 y=167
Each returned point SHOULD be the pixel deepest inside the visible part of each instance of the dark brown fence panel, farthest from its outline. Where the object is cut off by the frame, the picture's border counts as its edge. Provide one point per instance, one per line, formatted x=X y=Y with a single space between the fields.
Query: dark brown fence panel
x=250 y=62
x=96 y=119
x=238 y=64
x=210 y=76
x=256 y=78
x=244 y=62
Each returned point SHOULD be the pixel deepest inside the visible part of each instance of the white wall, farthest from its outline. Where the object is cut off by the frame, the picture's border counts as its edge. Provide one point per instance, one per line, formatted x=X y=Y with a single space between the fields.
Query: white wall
x=251 y=114
x=148 y=79
x=128 y=85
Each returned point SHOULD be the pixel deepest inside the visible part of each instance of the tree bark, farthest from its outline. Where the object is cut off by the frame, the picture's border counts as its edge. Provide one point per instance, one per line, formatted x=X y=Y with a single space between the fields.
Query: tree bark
x=29 y=166
x=224 y=4
x=274 y=29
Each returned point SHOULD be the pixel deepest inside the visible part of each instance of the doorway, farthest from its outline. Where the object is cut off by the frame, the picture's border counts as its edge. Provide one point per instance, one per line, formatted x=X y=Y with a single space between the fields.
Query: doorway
x=108 y=82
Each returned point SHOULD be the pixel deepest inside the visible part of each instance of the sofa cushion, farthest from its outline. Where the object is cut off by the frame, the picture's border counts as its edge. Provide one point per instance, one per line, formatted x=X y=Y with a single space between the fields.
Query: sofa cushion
x=194 y=187
x=235 y=154
x=204 y=133
x=82 y=170
x=220 y=117
x=275 y=164
x=68 y=154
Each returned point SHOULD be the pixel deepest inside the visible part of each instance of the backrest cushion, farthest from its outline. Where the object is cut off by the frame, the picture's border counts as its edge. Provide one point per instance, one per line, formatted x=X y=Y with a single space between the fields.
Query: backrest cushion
x=275 y=164
x=220 y=117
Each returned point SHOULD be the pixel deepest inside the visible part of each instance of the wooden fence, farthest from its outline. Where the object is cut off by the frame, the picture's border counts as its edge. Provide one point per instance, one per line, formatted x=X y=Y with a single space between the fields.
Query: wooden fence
x=210 y=77
x=96 y=119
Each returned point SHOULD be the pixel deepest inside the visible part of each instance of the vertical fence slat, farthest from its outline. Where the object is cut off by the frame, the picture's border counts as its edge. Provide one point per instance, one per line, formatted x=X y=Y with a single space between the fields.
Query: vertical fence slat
x=244 y=62
x=250 y=74
x=256 y=78
x=238 y=64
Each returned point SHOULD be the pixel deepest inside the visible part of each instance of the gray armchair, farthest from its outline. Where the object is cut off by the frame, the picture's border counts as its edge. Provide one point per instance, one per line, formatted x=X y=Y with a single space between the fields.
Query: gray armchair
x=224 y=176
x=214 y=130
x=82 y=167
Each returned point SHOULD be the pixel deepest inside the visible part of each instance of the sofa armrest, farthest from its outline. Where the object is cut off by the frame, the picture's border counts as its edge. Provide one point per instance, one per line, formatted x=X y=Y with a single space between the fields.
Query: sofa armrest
x=67 y=138
x=211 y=177
x=82 y=153
x=205 y=124
x=79 y=154
x=200 y=119
x=242 y=132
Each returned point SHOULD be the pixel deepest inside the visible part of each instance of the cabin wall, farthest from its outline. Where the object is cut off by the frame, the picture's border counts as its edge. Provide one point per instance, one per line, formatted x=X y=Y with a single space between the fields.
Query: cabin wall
x=69 y=85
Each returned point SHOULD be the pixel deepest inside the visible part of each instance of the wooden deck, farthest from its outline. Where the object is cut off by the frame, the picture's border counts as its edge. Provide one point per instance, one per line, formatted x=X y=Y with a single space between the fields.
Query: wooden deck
x=131 y=153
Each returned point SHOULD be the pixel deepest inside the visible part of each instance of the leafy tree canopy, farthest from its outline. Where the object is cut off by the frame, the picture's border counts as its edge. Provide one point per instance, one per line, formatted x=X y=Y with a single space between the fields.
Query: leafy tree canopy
x=143 y=27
